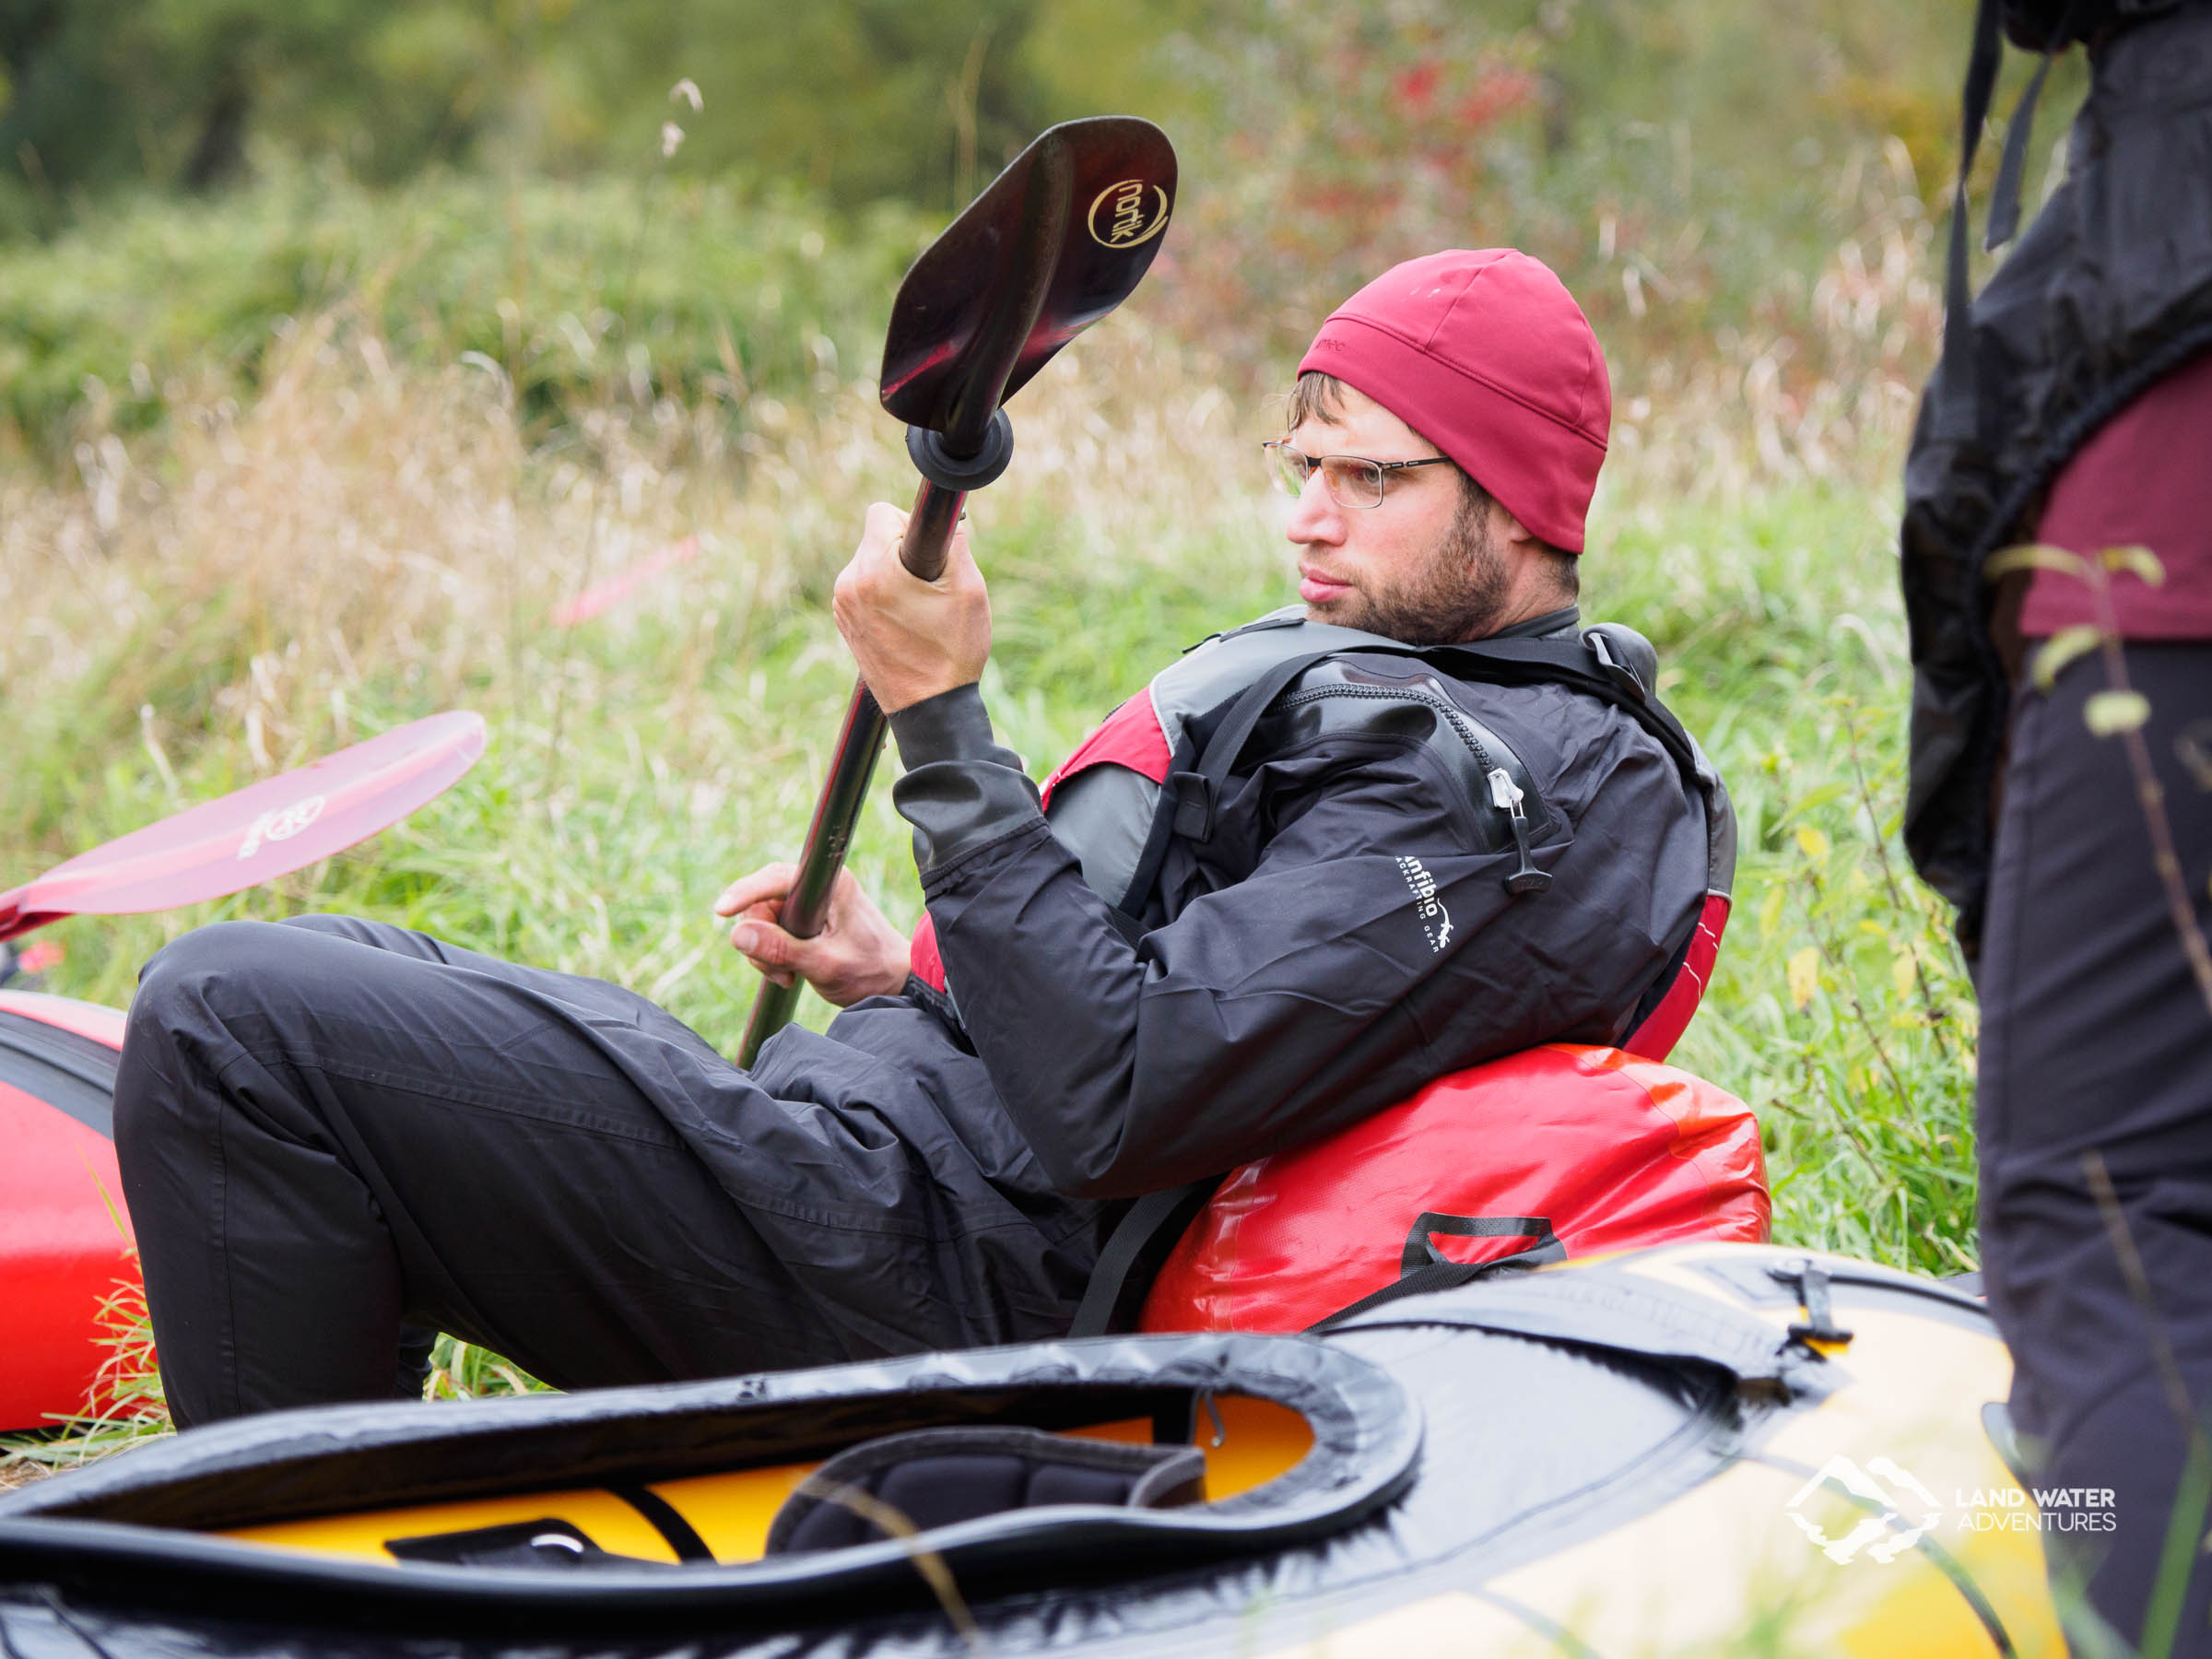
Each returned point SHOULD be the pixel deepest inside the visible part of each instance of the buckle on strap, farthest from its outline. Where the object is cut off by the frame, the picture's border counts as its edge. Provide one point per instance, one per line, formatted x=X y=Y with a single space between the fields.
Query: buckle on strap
x=1618 y=671
x=1195 y=794
x=1810 y=1281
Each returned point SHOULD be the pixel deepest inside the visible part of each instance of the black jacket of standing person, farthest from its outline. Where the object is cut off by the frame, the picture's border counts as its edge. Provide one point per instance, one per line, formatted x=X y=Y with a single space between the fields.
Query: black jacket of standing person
x=2109 y=290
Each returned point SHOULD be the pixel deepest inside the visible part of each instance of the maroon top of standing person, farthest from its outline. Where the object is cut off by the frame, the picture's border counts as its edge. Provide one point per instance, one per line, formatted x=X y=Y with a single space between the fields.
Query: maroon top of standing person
x=2144 y=480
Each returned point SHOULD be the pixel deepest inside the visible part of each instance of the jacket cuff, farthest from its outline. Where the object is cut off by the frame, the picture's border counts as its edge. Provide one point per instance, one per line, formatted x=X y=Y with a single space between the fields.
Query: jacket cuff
x=952 y=725
x=940 y=1007
x=962 y=791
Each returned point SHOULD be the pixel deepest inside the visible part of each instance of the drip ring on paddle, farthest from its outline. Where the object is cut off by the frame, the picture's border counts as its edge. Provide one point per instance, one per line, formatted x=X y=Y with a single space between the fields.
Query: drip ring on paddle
x=964 y=473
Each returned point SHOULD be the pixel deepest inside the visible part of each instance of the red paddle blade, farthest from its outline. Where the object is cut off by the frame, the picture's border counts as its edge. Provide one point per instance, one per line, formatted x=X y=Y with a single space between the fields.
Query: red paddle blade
x=254 y=834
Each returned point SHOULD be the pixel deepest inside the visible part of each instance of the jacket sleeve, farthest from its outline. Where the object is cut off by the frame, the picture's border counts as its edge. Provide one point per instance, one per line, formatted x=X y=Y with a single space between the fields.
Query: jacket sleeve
x=1368 y=952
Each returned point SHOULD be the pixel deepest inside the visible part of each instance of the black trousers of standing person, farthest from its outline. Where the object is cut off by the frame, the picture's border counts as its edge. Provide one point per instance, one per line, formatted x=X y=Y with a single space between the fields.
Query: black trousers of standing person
x=333 y=1130
x=2096 y=1038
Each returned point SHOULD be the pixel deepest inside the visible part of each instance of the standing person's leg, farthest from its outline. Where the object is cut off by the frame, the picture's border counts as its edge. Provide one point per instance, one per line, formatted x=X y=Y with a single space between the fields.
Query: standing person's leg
x=2097 y=1038
x=327 y=1129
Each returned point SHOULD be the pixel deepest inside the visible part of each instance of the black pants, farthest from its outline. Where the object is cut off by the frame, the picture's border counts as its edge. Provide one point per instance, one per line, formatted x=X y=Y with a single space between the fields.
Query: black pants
x=2096 y=1037
x=332 y=1129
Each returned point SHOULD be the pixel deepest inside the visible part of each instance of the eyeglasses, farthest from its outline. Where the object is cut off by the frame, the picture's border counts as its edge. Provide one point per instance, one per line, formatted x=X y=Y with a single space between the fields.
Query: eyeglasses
x=1352 y=480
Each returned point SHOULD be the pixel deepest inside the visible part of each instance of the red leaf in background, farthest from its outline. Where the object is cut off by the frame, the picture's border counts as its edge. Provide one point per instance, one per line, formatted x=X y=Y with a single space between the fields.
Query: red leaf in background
x=1416 y=86
x=1495 y=94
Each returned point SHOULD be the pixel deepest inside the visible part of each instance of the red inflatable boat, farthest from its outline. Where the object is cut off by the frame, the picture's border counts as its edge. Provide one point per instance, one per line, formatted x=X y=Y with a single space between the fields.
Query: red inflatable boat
x=64 y=1237
x=64 y=1245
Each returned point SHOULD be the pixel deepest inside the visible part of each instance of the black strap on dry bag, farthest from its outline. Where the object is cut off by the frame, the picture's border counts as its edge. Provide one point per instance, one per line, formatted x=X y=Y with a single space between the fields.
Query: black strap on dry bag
x=1423 y=1267
x=1421 y=1251
x=1133 y=1256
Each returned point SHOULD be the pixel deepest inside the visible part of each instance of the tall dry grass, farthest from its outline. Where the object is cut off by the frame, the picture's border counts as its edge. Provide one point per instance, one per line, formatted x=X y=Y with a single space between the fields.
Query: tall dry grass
x=362 y=527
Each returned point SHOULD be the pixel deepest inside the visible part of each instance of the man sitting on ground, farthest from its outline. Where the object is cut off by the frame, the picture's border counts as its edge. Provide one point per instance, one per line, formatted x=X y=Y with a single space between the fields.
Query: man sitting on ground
x=330 y=1129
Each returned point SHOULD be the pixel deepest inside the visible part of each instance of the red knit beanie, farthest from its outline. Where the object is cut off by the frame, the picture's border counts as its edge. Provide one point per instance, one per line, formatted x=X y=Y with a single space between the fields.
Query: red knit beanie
x=1485 y=353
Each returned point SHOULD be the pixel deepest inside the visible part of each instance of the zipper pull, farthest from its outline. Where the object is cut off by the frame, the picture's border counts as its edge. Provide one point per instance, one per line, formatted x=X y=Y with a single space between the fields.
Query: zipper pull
x=1505 y=794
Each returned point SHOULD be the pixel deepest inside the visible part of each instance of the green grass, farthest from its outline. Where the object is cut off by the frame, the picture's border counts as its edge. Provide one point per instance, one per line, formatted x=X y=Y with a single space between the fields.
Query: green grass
x=1782 y=646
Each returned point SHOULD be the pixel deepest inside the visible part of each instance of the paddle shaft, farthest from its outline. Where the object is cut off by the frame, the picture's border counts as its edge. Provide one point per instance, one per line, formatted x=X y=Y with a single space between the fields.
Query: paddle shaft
x=928 y=537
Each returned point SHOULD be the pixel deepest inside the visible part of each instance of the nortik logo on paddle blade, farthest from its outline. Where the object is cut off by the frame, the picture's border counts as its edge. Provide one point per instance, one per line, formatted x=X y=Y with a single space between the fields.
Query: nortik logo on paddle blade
x=1128 y=213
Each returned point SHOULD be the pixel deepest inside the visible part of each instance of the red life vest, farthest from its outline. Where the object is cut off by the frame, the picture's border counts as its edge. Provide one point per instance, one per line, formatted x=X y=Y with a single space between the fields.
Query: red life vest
x=1562 y=1149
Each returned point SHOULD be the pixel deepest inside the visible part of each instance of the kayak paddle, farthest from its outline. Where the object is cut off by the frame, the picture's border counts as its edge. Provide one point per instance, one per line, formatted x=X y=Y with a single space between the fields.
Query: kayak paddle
x=266 y=830
x=1057 y=241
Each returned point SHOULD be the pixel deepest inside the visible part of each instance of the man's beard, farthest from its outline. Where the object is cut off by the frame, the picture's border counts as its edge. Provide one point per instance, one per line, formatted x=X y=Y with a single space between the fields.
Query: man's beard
x=1458 y=593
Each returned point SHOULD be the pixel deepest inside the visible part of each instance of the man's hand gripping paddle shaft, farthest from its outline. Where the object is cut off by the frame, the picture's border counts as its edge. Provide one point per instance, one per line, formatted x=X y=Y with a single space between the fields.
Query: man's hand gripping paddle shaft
x=254 y=834
x=1057 y=241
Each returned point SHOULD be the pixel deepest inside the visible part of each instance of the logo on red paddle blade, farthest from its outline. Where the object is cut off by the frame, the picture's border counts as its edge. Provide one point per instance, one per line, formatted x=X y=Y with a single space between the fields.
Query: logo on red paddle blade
x=280 y=825
x=1128 y=213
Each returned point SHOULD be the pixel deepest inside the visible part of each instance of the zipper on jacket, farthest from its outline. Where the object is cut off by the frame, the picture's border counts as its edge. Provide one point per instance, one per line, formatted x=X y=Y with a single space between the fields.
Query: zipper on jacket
x=1459 y=722
x=1505 y=794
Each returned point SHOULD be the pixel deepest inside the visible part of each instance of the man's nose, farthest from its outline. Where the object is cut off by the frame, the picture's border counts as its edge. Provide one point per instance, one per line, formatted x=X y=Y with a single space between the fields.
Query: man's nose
x=1315 y=516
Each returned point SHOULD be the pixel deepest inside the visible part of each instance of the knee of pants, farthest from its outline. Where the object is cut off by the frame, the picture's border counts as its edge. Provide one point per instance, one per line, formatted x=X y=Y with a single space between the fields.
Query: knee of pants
x=220 y=953
x=173 y=1011
x=188 y=989
x=332 y=927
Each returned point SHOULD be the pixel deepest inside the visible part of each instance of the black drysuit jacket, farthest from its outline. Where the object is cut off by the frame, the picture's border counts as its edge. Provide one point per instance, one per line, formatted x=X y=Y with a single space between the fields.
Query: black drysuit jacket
x=920 y=1165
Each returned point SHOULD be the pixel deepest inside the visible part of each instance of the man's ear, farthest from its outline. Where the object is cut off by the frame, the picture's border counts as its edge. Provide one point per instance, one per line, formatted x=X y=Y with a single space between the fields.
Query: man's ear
x=1535 y=566
x=1509 y=535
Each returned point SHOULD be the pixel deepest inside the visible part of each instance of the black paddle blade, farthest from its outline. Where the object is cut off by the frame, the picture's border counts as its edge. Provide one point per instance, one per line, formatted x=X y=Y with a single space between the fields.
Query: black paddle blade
x=1058 y=240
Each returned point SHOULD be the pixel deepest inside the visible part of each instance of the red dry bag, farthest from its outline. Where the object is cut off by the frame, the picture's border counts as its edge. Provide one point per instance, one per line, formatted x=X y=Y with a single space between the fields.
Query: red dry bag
x=1555 y=1151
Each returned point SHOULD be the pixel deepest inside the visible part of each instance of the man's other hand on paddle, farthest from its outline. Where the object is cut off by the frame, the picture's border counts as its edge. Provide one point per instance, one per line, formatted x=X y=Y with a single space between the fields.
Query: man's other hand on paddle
x=911 y=639
x=858 y=953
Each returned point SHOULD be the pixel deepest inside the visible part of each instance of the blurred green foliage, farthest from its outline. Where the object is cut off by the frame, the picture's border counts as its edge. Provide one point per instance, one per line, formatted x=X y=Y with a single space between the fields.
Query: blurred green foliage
x=610 y=289
x=861 y=99
x=516 y=178
x=920 y=99
x=1684 y=166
